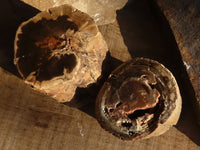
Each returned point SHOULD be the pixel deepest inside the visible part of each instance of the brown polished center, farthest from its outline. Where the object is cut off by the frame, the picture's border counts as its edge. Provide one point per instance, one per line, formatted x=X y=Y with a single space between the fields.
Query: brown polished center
x=134 y=94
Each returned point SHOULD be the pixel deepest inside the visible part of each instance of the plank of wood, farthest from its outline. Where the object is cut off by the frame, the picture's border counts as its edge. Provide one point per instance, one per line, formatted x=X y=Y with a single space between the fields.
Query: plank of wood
x=31 y=120
x=184 y=19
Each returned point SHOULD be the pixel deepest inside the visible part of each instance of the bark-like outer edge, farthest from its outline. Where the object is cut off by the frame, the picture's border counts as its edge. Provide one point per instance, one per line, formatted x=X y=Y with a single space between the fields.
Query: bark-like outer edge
x=161 y=128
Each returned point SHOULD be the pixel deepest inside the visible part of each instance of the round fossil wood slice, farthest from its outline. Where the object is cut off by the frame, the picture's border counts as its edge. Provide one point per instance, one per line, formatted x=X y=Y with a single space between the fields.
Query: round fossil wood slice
x=140 y=99
x=59 y=50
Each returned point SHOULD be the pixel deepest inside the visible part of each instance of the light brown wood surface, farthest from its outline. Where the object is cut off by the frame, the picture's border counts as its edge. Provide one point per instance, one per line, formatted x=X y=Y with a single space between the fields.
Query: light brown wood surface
x=30 y=120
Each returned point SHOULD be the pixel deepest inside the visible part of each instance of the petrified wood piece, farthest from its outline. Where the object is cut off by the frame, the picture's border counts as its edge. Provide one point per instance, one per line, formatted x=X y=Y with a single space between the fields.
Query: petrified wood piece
x=184 y=20
x=140 y=99
x=59 y=50
x=102 y=11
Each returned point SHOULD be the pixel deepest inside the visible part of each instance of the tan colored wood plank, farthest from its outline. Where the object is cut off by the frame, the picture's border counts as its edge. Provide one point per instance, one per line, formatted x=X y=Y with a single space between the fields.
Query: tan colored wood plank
x=33 y=121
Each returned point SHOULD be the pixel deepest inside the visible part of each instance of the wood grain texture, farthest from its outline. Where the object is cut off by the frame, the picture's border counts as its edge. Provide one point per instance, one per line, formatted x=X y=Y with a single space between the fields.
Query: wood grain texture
x=184 y=19
x=30 y=120
x=33 y=121
x=117 y=48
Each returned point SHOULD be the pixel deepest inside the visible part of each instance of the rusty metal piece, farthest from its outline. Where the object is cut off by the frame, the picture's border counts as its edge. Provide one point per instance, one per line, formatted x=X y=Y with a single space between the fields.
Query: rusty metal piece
x=59 y=50
x=184 y=20
x=140 y=99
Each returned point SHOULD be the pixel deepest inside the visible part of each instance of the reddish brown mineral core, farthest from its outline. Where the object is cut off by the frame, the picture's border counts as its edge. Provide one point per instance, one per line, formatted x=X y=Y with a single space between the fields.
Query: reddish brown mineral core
x=59 y=50
x=140 y=99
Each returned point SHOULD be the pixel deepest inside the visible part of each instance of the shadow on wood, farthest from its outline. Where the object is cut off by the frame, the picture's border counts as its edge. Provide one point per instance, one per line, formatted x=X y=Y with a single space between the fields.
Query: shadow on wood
x=13 y=13
x=84 y=98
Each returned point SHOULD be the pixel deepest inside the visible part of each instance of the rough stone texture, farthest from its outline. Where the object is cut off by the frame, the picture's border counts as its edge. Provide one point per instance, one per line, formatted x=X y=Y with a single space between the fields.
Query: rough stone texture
x=102 y=11
x=59 y=50
x=184 y=19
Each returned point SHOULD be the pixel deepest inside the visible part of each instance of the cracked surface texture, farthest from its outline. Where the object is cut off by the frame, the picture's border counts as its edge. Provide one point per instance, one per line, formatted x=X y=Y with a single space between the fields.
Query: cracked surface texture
x=59 y=50
x=140 y=99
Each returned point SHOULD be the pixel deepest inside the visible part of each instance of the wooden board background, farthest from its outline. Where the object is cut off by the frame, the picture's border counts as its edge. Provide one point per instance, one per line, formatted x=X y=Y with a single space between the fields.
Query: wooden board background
x=31 y=120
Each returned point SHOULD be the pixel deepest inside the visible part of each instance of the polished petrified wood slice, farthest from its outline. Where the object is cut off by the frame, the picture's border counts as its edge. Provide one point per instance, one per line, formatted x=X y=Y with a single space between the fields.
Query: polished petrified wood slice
x=140 y=99
x=59 y=50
